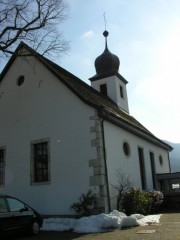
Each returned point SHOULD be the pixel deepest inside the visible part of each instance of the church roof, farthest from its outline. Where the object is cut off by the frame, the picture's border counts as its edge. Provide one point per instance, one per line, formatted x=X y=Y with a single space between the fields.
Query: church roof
x=107 y=109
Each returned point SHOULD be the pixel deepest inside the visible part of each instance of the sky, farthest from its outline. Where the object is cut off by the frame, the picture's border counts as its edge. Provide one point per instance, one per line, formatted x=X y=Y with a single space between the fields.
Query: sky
x=145 y=35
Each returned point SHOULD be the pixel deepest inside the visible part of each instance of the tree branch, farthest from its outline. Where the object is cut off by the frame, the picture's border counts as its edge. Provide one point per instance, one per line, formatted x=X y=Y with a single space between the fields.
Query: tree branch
x=23 y=19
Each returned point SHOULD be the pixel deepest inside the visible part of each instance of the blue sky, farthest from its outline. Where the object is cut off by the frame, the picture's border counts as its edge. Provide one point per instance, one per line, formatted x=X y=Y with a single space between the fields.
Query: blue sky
x=145 y=35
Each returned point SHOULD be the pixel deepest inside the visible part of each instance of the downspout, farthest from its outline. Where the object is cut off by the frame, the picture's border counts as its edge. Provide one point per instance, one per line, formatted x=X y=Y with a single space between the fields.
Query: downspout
x=106 y=170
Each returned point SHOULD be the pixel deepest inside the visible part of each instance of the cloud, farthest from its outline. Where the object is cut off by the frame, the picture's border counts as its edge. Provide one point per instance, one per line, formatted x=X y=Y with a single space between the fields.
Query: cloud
x=155 y=103
x=156 y=98
x=88 y=34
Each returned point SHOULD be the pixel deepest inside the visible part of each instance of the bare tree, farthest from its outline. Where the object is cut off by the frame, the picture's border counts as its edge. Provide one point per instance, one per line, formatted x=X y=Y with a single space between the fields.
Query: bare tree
x=122 y=186
x=34 y=22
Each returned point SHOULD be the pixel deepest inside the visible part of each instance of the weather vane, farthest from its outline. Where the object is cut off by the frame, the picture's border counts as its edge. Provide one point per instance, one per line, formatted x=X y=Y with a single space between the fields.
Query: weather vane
x=105 y=21
x=105 y=33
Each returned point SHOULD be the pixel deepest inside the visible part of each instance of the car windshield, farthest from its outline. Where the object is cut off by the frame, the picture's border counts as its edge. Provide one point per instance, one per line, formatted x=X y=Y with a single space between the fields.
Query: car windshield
x=15 y=205
x=3 y=207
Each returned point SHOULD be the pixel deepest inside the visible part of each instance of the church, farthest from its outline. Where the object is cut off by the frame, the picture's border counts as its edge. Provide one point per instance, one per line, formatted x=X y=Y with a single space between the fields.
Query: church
x=60 y=137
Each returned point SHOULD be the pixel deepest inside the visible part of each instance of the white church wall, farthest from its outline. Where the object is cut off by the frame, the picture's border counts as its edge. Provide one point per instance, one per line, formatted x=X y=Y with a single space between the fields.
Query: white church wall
x=42 y=107
x=117 y=160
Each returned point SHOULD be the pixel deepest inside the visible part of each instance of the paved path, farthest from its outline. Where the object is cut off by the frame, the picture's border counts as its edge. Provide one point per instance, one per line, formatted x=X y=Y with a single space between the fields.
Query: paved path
x=168 y=229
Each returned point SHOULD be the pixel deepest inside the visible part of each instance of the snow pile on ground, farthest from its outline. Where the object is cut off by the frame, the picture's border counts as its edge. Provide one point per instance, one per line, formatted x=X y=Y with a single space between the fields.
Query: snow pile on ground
x=99 y=223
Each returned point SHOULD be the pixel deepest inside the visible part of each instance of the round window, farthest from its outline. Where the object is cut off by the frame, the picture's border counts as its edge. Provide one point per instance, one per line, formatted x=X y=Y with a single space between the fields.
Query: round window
x=20 y=80
x=160 y=160
x=126 y=148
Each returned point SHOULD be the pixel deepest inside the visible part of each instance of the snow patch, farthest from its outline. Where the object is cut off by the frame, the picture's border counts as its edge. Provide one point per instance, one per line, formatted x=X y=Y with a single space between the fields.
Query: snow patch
x=99 y=223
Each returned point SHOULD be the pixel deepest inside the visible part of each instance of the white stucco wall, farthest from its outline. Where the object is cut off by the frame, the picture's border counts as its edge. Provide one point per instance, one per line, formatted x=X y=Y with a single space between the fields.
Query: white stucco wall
x=43 y=107
x=117 y=160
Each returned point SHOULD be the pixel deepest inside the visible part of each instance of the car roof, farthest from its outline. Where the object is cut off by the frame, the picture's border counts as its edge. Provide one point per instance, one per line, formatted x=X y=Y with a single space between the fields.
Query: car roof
x=5 y=195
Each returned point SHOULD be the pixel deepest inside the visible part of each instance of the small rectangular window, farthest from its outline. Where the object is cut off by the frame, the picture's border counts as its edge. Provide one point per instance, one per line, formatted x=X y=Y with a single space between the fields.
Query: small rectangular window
x=103 y=89
x=121 y=92
x=2 y=166
x=153 y=169
x=40 y=162
x=142 y=168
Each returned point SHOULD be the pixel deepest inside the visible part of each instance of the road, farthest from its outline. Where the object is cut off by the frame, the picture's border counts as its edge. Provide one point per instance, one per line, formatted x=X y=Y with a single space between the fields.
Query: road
x=48 y=236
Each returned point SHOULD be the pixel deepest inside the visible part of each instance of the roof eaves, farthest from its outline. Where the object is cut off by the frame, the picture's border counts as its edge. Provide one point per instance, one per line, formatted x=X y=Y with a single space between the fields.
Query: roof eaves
x=98 y=77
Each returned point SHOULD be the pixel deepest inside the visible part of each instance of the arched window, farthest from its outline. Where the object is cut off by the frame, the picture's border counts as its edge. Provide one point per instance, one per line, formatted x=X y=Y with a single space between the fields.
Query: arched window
x=126 y=148
x=20 y=80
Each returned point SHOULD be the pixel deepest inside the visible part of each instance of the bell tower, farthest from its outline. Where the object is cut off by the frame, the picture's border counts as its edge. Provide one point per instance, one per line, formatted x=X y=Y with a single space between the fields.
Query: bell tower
x=107 y=80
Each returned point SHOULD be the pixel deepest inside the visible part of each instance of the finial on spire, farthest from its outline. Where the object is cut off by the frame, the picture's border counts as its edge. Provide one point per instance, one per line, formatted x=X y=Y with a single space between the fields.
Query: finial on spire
x=105 y=22
x=105 y=33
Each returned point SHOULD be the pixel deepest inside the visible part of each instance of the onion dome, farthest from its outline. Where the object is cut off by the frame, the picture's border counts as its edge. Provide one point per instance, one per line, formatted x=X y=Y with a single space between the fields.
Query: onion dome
x=107 y=62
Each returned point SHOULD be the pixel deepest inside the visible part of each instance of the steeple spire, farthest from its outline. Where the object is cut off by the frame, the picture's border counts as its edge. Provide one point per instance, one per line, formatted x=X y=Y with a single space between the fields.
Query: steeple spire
x=107 y=80
x=107 y=63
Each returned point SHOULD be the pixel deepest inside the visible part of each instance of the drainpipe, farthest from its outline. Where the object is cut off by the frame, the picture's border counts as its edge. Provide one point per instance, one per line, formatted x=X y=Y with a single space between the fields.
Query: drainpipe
x=106 y=170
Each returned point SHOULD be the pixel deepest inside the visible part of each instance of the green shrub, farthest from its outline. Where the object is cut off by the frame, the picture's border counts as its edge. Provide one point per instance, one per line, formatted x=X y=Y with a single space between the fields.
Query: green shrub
x=137 y=201
x=86 y=204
